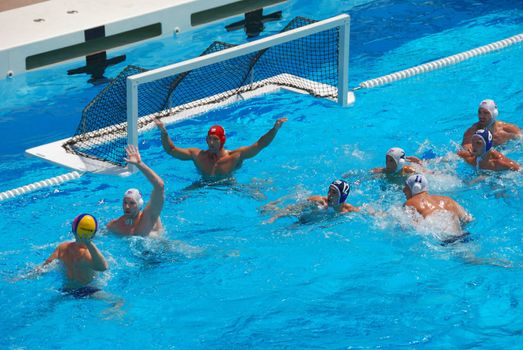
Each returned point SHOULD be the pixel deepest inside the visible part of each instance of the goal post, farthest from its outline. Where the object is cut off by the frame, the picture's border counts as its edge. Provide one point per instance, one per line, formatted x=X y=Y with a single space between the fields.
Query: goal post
x=344 y=97
x=343 y=63
x=309 y=57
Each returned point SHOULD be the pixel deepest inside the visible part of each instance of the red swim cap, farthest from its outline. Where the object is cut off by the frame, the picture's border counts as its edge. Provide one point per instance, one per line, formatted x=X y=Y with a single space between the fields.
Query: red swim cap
x=217 y=130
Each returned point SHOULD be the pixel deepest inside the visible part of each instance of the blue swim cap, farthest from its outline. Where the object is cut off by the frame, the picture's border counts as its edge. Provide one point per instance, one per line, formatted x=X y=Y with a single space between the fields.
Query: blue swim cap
x=486 y=136
x=343 y=189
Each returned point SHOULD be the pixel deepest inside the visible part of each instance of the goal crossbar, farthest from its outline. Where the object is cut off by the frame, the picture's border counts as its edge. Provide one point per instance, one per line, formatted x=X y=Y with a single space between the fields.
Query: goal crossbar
x=244 y=49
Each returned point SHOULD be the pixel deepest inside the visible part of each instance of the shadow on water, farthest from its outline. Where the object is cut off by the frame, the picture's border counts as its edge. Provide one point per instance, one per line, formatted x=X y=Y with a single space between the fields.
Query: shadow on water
x=201 y=188
x=152 y=252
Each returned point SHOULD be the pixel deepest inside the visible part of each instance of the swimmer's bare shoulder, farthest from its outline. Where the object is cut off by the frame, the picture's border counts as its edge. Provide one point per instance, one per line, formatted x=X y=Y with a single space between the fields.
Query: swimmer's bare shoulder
x=413 y=202
x=348 y=208
x=113 y=224
x=118 y=226
x=510 y=129
x=501 y=162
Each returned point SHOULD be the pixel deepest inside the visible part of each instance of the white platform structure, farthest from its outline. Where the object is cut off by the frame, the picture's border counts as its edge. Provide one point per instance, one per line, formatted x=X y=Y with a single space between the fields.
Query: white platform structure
x=53 y=31
x=54 y=153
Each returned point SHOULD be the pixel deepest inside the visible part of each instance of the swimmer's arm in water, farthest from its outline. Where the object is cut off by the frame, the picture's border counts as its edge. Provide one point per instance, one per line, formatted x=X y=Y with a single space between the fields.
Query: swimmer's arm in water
x=373 y=171
x=41 y=269
x=273 y=205
x=464 y=216
x=466 y=143
x=476 y=180
x=465 y=153
x=57 y=254
x=247 y=152
x=33 y=273
x=467 y=156
x=407 y=169
x=504 y=163
x=170 y=148
x=414 y=160
x=155 y=205
x=349 y=208
x=471 y=259
x=293 y=210
x=511 y=131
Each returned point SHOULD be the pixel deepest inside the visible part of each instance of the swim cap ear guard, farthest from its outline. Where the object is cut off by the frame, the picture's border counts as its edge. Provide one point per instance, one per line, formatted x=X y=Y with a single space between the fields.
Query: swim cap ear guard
x=486 y=137
x=417 y=183
x=135 y=195
x=343 y=189
x=490 y=106
x=398 y=154
x=217 y=130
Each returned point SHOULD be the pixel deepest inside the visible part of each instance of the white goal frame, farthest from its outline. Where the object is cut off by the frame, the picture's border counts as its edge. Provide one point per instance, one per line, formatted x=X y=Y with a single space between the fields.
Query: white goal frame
x=54 y=153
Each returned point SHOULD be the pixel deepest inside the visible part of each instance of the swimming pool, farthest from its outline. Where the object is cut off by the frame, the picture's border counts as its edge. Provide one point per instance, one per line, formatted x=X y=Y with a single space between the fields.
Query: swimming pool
x=225 y=279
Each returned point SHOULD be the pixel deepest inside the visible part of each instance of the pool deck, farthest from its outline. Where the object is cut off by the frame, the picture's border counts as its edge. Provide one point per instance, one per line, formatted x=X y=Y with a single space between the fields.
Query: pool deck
x=37 y=33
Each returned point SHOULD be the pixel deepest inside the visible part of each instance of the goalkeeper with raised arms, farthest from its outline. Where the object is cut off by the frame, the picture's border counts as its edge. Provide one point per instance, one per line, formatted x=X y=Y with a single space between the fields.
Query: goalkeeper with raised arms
x=217 y=163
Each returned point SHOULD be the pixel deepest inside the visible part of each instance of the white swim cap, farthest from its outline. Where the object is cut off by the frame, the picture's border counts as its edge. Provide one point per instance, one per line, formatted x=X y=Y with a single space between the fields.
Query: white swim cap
x=417 y=183
x=135 y=195
x=398 y=155
x=490 y=106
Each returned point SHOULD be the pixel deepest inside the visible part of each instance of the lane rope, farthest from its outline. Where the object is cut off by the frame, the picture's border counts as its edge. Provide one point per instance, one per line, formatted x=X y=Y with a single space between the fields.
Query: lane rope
x=443 y=62
x=40 y=184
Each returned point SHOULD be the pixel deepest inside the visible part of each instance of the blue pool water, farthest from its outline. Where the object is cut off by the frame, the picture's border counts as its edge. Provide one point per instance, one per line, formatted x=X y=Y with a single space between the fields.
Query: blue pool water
x=224 y=279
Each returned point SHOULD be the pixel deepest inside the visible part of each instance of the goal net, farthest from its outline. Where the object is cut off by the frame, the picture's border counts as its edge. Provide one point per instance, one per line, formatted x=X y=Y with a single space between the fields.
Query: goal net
x=307 y=56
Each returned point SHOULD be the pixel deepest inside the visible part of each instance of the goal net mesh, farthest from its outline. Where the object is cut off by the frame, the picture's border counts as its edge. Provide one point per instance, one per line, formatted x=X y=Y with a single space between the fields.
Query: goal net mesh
x=308 y=64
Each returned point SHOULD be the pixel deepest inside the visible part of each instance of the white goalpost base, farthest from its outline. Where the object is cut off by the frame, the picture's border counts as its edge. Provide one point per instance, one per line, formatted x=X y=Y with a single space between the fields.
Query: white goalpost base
x=54 y=153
